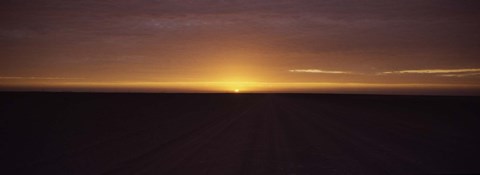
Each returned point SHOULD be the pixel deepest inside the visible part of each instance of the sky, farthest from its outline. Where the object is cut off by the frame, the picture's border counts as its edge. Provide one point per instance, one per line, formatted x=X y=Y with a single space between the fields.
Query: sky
x=428 y=46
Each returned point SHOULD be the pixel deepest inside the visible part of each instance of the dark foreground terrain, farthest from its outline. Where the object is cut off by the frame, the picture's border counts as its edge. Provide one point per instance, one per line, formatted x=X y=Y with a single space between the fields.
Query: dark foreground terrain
x=88 y=133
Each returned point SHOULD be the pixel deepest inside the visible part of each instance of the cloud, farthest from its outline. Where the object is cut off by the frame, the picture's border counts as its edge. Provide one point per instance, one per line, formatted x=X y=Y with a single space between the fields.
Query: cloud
x=318 y=71
x=433 y=71
x=461 y=75
x=458 y=73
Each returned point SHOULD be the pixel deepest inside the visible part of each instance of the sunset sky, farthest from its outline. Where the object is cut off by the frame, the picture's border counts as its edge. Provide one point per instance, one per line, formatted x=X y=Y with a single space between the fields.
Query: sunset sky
x=251 y=45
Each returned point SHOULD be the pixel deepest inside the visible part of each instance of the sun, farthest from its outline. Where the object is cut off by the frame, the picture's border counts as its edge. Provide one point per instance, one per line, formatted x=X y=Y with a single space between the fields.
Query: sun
x=236 y=90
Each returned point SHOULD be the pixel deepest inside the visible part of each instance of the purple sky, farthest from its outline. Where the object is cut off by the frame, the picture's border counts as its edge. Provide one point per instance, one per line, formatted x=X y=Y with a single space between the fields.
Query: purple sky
x=281 y=41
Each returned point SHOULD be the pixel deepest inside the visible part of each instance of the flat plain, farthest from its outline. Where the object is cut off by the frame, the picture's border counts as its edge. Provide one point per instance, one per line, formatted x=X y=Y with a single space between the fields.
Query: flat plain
x=148 y=133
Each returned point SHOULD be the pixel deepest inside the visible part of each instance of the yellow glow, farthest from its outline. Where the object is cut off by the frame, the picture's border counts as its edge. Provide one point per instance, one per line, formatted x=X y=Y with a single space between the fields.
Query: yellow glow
x=236 y=87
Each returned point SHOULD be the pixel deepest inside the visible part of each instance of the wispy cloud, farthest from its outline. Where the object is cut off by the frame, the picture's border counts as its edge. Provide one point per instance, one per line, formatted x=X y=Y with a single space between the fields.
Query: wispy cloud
x=318 y=71
x=434 y=71
x=460 y=75
x=39 y=78
x=457 y=73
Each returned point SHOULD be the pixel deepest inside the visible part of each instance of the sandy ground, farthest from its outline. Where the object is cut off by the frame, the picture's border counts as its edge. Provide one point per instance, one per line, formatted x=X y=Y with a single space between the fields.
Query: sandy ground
x=87 y=133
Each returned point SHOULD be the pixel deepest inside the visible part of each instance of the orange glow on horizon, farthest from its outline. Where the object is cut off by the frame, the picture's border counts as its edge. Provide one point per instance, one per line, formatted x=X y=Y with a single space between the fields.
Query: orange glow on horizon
x=237 y=87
